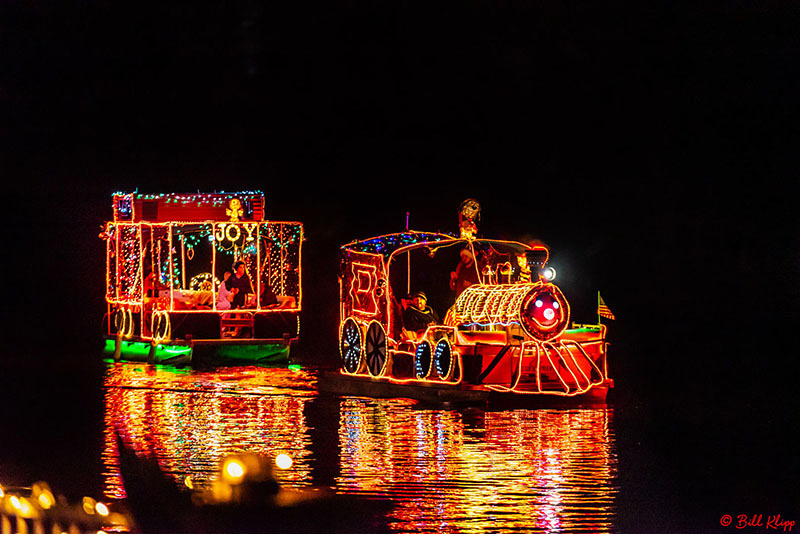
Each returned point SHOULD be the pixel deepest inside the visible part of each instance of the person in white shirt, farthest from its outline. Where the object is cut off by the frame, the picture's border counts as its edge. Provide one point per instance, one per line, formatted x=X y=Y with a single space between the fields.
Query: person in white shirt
x=224 y=295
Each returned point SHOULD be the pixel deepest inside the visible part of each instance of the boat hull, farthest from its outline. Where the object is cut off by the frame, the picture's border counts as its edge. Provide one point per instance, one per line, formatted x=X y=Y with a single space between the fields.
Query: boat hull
x=363 y=386
x=338 y=383
x=224 y=352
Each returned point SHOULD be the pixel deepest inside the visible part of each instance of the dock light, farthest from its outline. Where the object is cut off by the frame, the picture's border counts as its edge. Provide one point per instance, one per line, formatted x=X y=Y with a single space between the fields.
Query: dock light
x=45 y=501
x=244 y=477
x=284 y=461
x=101 y=509
x=234 y=471
x=88 y=505
x=22 y=506
x=549 y=274
x=248 y=467
x=41 y=493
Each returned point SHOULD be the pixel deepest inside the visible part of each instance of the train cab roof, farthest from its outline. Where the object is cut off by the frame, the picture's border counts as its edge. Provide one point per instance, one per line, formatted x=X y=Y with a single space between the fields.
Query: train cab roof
x=391 y=244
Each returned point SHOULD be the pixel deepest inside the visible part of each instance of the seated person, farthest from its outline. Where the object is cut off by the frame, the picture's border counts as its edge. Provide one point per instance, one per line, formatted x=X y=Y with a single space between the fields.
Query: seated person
x=239 y=284
x=224 y=294
x=418 y=315
x=270 y=300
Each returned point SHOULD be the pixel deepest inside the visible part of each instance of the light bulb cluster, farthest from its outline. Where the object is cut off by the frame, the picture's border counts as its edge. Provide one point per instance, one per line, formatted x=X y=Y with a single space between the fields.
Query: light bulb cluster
x=390 y=243
x=494 y=305
x=145 y=257
x=513 y=295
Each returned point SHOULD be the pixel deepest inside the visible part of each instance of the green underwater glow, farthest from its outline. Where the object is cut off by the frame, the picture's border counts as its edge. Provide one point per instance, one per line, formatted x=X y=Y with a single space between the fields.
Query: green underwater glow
x=139 y=348
x=140 y=351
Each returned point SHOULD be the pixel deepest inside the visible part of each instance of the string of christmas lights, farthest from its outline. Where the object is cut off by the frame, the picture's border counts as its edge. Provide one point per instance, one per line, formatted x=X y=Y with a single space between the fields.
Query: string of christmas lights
x=146 y=256
x=513 y=299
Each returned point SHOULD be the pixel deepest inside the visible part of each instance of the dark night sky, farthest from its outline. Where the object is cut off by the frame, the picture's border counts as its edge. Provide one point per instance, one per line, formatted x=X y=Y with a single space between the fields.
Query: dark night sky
x=653 y=145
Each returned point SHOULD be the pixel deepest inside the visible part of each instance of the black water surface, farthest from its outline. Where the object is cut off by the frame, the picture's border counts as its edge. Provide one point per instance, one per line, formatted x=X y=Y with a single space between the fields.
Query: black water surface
x=653 y=147
x=676 y=465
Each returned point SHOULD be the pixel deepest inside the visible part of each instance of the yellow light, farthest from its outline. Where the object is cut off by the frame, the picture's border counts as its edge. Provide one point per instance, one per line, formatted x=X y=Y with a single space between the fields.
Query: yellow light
x=22 y=506
x=124 y=262
x=187 y=481
x=88 y=505
x=284 y=461
x=234 y=469
x=101 y=509
x=45 y=501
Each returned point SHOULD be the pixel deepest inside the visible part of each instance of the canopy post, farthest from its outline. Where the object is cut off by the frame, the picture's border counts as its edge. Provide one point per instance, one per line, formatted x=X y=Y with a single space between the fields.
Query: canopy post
x=183 y=261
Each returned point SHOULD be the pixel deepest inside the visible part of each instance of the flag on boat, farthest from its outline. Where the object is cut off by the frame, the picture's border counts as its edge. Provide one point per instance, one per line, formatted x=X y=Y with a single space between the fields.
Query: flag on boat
x=602 y=309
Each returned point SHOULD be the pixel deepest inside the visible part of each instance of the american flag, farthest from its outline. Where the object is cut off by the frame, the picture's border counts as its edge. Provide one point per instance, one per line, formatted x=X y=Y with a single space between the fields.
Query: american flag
x=602 y=309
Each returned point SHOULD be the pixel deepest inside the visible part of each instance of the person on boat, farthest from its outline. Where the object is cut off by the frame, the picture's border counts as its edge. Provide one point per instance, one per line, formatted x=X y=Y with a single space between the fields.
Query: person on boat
x=466 y=272
x=418 y=315
x=240 y=285
x=269 y=299
x=224 y=294
x=152 y=285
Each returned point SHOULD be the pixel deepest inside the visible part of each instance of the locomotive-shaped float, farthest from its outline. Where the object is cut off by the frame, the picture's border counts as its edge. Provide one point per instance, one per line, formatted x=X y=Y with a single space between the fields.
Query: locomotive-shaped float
x=200 y=271
x=506 y=329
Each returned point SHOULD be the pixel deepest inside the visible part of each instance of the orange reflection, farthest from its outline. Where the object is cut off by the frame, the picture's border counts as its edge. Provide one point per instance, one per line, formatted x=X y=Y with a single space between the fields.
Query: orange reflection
x=190 y=420
x=467 y=470
x=550 y=470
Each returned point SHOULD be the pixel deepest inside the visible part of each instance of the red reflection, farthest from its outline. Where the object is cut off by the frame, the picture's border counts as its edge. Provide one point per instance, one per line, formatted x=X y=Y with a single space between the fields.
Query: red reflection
x=444 y=470
x=549 y=470
x=189 y=421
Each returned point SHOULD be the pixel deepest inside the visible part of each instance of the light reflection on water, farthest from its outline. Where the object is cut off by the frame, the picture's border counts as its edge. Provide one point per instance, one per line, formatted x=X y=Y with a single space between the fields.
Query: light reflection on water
x=190 y=421
x=480 y=471
x=465 y=470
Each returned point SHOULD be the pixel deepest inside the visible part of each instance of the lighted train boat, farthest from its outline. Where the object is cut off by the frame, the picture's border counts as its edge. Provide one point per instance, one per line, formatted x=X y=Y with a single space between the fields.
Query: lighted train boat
x=506 y=332
x=166 y=257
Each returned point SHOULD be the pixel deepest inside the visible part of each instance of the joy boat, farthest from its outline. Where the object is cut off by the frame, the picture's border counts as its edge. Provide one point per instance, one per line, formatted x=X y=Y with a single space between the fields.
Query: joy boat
x=166 y=258
x=506 y=332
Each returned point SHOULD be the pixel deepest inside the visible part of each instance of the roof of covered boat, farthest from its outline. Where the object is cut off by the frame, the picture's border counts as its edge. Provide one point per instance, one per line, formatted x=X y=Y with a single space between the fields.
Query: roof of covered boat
x=386 y=245
x=189 y=207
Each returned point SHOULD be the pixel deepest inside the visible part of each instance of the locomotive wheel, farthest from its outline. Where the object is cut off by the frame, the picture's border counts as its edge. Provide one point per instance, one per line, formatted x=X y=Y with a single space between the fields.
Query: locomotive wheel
x=443 y=359
x=351 y=346
x=375 y=349
x=422 y=360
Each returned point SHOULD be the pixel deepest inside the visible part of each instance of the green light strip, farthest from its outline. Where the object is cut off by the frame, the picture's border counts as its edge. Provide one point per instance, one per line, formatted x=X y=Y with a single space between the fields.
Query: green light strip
x=138 y=348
